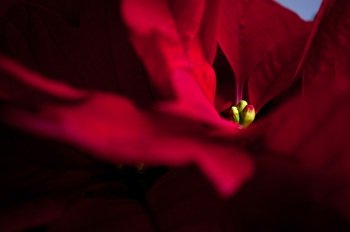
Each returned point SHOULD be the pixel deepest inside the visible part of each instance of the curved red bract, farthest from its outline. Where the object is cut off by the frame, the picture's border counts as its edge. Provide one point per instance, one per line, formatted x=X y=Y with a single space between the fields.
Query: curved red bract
x=88 y=86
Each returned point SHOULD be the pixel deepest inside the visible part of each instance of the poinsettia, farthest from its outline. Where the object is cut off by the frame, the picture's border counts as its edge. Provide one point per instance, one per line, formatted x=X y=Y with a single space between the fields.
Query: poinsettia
x=89 y=120
x=161 y=63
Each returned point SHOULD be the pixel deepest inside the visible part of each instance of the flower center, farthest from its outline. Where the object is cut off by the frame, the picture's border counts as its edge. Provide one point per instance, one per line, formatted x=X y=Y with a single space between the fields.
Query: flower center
x=242 y=113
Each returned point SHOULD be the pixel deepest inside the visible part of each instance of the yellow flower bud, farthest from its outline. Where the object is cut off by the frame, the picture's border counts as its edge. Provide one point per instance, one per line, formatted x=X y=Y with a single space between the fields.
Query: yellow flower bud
x=241 y=105
x=234 y=114
x=248 y=115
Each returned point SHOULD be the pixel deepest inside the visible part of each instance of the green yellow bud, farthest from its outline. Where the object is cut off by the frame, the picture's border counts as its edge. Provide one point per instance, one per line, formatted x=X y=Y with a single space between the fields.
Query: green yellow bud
x=235 y=114
x=241 y=105
x=247 y=115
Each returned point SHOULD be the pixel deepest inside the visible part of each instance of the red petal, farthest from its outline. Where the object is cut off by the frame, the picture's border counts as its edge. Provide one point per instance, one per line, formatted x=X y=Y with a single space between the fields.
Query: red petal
x=31 y=215
x=182 y=200
x=253 y=36
x=28 y=84
x=111 y=127
x=310 y=133
x=326 y=58
x=274 y=74
x=166 y=36
x=81 y=43
x=101 y=214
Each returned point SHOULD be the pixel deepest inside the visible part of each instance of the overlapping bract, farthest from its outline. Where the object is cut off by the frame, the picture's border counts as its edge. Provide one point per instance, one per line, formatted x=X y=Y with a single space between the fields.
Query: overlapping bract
x=134 y=83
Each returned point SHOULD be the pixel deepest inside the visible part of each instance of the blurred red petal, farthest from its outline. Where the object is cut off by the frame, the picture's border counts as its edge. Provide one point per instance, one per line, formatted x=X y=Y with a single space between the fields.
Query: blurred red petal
x=182 y=200
x=169 y=43
x=81 y=43
x=100 y=214
x=111 y=127
x=26 y=80
x=114 y=130
x=31 y=215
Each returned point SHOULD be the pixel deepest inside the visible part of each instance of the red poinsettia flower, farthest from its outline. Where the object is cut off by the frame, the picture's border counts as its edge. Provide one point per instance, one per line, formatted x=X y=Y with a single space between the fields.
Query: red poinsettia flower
x=138 y=87
x=89 y=117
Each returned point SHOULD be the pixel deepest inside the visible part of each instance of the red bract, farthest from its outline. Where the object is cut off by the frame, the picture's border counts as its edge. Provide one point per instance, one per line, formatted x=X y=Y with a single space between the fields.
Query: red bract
x=311 y=130
x=305 y=140
x=132 y=82
x=262 y=46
